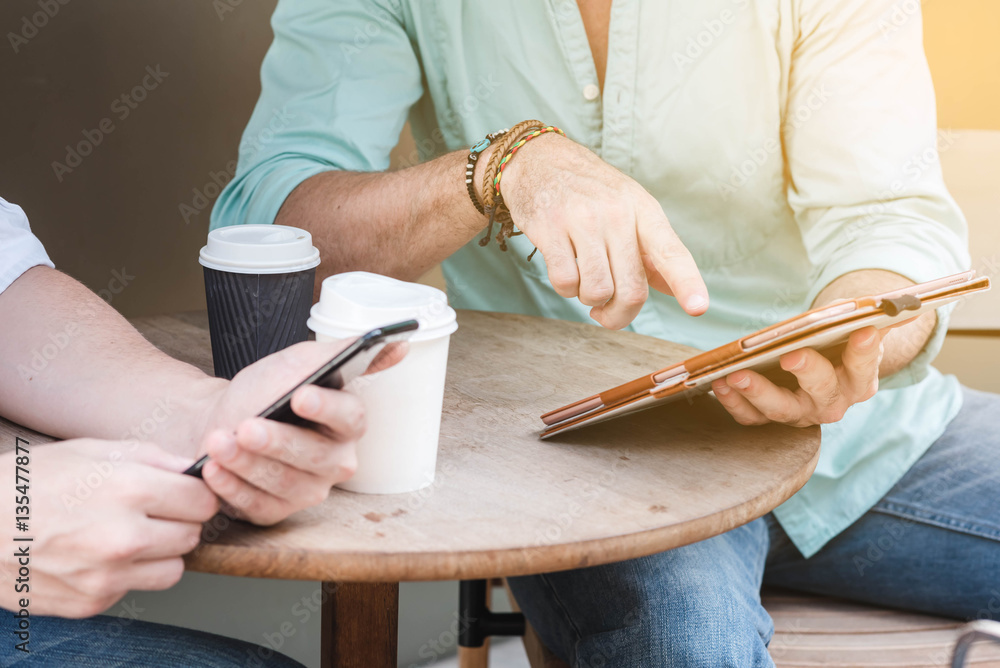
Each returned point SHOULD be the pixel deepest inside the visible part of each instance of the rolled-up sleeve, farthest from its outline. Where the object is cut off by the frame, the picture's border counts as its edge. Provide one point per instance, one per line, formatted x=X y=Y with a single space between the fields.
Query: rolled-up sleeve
x=336 y=86
x=862 y=145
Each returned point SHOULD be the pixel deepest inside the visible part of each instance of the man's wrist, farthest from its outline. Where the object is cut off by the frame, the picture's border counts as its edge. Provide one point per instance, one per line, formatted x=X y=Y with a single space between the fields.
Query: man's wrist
x=902 y=343
x=514 y=171
x=195 y=414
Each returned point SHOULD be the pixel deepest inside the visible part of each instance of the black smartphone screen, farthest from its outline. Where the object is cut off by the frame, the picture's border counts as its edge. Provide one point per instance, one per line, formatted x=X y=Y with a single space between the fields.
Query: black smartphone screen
x=347 y=365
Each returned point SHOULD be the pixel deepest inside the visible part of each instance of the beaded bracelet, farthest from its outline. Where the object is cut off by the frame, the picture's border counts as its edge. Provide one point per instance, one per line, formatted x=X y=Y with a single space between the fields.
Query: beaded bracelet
x=502 y=146
x=493 y=203
x=513 y=149
x=470 y=166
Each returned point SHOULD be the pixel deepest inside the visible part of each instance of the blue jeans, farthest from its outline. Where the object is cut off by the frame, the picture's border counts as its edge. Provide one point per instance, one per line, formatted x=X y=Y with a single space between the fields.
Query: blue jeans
x=103 y=641
x=932 y=545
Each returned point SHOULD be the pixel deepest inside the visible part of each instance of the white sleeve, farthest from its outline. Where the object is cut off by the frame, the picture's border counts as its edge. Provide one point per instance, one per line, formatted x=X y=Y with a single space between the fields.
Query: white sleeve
x=19 y=249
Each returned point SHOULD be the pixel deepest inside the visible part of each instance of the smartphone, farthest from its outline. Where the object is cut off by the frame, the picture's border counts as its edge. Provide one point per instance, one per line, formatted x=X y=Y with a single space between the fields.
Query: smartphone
x=345 y=366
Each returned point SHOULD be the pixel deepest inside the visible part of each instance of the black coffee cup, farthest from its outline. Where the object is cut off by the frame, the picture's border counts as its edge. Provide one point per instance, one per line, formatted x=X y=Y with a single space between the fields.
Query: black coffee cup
x=259 y=286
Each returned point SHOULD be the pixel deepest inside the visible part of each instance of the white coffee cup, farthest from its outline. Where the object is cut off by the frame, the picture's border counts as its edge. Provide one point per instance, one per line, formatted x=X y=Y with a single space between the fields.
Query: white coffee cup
x=398 y=452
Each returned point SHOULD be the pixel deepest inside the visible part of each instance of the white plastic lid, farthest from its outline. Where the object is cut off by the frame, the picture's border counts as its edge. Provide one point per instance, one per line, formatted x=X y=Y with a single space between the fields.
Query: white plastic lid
x=259 y=249
x=356 y=302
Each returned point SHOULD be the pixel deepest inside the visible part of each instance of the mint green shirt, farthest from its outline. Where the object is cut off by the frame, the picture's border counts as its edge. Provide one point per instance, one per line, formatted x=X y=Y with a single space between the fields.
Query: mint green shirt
x=788 y=141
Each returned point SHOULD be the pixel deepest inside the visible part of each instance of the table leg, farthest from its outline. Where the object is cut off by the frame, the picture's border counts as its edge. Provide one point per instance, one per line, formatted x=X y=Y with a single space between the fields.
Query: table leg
x=360 y=625
x=473 y=657
x=477 y=622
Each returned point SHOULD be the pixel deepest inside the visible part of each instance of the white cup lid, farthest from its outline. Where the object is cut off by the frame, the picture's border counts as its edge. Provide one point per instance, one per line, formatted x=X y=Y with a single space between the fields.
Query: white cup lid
x=356 y=302
x=259 y=249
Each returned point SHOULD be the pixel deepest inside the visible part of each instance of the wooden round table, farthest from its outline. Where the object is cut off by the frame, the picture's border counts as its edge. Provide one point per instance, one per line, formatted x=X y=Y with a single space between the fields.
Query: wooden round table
x=504 y=502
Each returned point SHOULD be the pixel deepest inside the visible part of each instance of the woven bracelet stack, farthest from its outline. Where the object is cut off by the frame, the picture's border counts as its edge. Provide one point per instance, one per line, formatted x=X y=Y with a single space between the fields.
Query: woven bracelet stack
x=508 y=142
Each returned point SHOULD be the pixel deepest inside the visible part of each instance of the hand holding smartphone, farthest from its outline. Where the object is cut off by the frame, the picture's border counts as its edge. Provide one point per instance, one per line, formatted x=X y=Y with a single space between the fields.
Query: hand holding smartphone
x=348 y=364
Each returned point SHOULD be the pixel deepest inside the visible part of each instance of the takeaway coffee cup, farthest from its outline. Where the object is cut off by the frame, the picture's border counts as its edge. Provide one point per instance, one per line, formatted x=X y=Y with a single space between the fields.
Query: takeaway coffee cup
x=259 y=285
x=398 y=451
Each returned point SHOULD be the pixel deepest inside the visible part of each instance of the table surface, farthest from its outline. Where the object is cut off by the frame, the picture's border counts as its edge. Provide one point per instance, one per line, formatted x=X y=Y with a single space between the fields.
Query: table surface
x=506 y=503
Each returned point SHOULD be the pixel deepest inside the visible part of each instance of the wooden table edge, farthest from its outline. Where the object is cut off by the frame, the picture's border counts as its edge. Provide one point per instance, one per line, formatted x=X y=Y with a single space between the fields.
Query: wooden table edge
x=429 y=566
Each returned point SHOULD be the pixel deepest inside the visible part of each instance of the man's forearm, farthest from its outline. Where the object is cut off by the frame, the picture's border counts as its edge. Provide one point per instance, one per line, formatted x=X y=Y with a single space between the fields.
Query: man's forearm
x=902 y=344
x=71 y=366
x=396 y=223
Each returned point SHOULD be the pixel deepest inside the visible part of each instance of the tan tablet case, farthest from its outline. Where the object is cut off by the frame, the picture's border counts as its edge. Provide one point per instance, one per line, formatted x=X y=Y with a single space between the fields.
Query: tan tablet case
x=825 y=328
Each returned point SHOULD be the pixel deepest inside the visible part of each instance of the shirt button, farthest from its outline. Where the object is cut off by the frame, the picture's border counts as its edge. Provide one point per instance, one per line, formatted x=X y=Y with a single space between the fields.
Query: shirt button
x=591 y=92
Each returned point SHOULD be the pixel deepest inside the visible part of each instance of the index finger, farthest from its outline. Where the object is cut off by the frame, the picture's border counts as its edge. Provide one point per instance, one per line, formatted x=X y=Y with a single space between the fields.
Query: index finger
x=140 y=452
x=165 y=494
x=673 y=261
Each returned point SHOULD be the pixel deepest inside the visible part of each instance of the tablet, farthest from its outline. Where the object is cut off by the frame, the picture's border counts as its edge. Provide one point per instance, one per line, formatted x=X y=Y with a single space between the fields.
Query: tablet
x=825 y=329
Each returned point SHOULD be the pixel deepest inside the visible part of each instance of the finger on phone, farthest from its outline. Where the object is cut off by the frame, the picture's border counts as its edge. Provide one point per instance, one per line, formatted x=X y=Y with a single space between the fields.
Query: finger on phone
x=341 y=412
x=141 y=452
x=248 y=501
x=305 y=449
x=276 y=478
x=170 y=495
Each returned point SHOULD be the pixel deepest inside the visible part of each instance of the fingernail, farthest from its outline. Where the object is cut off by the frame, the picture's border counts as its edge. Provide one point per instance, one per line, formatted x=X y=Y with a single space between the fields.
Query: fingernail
x=868 y=341
x=798 y=365
x=696 y=303
x=226 y=449
x=310 y=401
x=740 y=382
x=722 y=389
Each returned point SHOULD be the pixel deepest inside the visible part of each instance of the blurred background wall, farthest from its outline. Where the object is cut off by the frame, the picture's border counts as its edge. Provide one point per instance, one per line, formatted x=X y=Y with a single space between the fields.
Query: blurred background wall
x=189 y=71
x=961 y=39
x=122 y=205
